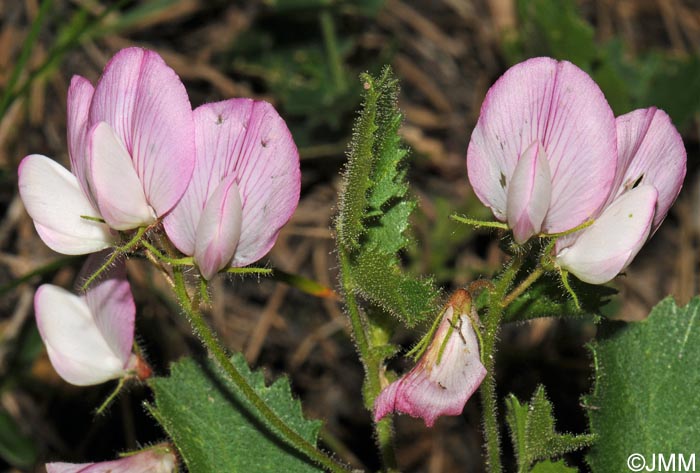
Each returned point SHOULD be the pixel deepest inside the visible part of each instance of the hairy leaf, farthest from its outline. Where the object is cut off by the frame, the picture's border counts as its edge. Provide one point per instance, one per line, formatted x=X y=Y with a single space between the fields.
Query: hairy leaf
x=374 y=209
x=533 y=434
x=214 y=430
x=548 y=466
x=645 y=399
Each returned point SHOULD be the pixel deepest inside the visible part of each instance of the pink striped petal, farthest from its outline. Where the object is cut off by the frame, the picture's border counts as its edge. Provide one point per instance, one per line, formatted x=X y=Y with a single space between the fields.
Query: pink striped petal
x=154 y=460
x=558 y=105
x=56 y=203
x=529 y=193
x=248 y=140
x=79 y=97
x=605 y=248
x=651 y=152
x=112 y=304
x=116 y=187
x=219 y=229
x=437 y=387
x=145 y=103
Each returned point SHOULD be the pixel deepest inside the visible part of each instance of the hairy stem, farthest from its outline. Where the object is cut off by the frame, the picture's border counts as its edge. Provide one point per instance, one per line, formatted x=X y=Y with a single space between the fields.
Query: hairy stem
x=522 y=287
x=285 y=433
x=383 y=429
x=489 y=398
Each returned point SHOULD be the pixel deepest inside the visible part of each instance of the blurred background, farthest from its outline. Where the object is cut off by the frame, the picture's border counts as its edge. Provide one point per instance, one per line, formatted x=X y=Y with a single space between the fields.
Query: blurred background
x=304 y=56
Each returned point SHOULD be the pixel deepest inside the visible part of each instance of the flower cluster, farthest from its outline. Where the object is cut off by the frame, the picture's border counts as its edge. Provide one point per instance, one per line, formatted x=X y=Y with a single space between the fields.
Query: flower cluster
x=548 y=157
x=221 y=181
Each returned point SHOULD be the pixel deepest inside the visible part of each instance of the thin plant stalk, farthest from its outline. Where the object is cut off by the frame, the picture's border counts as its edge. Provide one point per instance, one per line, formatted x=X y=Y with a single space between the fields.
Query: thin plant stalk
x=208 y=338
x=383 y=430
x=489 y=399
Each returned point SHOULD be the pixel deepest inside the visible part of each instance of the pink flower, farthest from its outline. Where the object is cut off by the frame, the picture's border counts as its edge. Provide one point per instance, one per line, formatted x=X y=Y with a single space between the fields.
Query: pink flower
x=447 y=374
x=650 y=172
x=157 y=459
x=131 y=146
x=244 y=188
x=543 y=153
x=89 y=338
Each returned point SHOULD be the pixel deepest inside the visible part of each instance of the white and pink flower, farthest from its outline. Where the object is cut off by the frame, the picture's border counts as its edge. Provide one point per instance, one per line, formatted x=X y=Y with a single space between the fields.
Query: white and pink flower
x=244 y=188
x=89 y=338
x=157 y=459
x=131 y=146
x=447 y=374
x=543 y=153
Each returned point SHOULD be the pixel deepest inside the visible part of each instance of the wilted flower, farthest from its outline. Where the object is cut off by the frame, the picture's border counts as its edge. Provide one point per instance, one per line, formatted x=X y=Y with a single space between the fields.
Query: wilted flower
x=543 y=153
x=244 y=188
x=131 y=146
x=650 y=172
x=157 y=459
x=447 y=374
x=89 y=338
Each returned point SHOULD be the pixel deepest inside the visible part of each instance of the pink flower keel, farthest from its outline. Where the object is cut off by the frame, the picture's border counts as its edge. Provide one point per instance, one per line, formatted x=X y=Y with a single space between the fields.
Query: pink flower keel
x=447 y=374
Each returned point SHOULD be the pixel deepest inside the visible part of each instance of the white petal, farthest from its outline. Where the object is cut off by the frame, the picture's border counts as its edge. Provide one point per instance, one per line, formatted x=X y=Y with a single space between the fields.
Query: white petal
x=605 y=248
x=55 y=201
x=75 y=345
x=114 y=182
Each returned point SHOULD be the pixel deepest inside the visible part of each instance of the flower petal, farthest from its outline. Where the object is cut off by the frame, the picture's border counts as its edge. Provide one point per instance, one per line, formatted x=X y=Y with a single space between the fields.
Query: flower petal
x=250 y=141
x=651 y=152
x=432 y=390
x=55 y=201
x=111 y=304
x=558 y=105
x=114 y=182
x=79 y=97
x=529 y=193
x=77 y=349
x=145 y=103
x=605 y=248
x=219 y=228
x=153 y=460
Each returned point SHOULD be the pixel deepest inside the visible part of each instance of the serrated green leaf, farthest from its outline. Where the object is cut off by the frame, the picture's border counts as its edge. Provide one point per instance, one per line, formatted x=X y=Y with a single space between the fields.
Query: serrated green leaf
x=533 y=434
x=548 y=466
x=381 y=282
x=214 y=430
x=374 y=209
x=645 y=399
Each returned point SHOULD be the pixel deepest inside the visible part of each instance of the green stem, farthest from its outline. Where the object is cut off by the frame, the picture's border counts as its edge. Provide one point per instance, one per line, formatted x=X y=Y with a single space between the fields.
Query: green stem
x=383 y=429
x=249 y=270
x=522 y=287
x=186 y=261
x=209 y=340
x=479 y=223
x=112 y=396
x=130 y=245
x=489 y=398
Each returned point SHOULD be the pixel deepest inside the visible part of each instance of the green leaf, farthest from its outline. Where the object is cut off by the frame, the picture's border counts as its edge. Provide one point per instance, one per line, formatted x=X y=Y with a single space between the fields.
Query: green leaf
x=374 y=209
x=548 y=466
x=213 y=428
x=645 y=399
x=532 y=431
x=15 y=448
